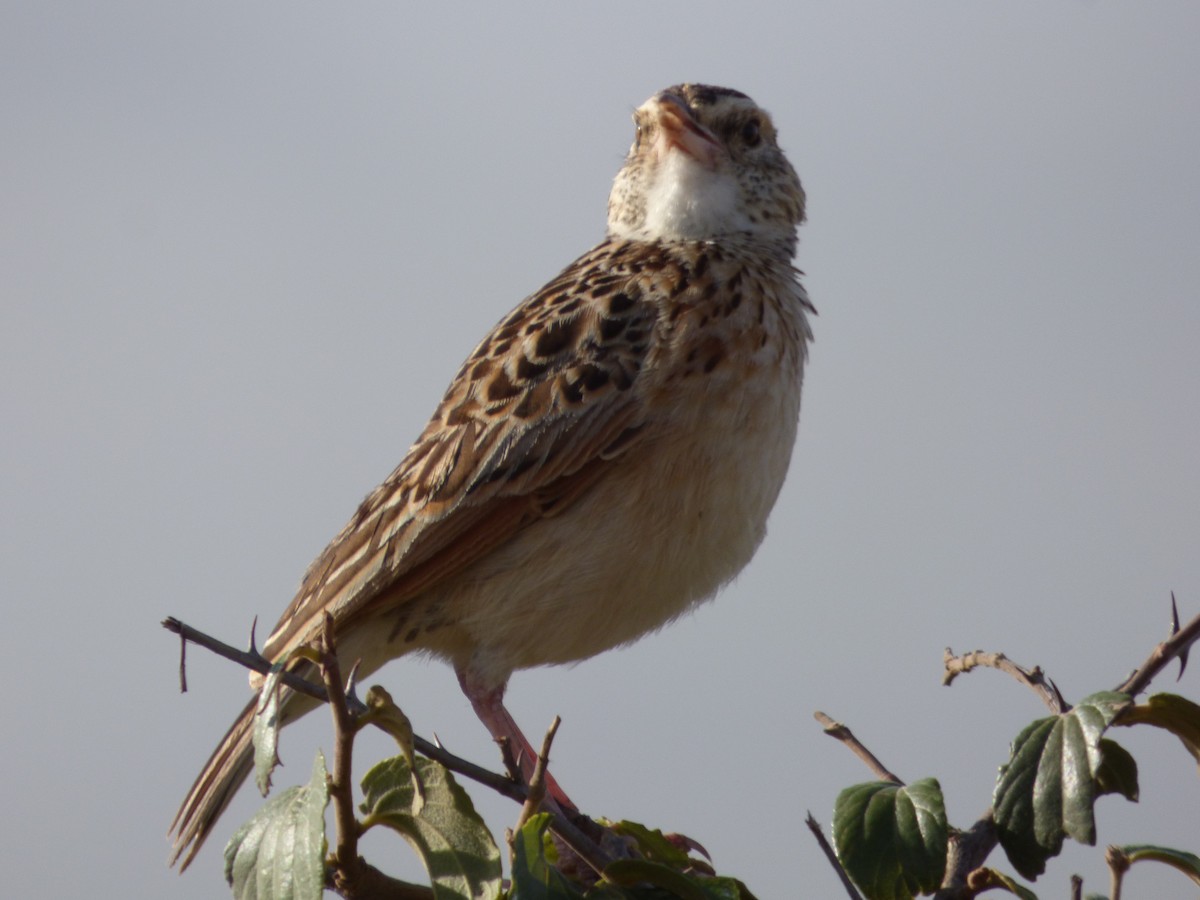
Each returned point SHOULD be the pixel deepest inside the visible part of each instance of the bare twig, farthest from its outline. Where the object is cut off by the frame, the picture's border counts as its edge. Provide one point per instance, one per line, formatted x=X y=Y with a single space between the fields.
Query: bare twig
x=839 y=731
x=571 y=832
x=1176 y=646
x=537 y=781
x=341 y=791
x=830 y=855
x=254 y=661
x=573 y=835
x=350 y=875
x=1118 y=865
x=511 y=765
x=1034 y=679
x=1076 y=888
x=250 y=659
x=182 y=663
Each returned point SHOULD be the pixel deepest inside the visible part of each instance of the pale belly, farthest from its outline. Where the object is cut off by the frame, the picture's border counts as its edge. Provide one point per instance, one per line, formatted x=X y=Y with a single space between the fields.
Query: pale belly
x=664 y=530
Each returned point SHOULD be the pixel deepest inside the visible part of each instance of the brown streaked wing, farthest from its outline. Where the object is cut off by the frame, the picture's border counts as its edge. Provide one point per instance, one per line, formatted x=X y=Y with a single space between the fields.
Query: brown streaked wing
x=537 y=413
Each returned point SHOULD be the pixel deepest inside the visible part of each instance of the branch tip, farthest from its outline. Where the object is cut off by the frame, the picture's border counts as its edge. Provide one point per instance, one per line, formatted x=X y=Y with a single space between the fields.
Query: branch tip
x=840 y=732
x=831 y=855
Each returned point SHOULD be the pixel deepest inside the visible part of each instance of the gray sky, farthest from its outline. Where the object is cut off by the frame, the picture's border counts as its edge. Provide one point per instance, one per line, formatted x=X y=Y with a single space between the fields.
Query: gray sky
x=246 y=246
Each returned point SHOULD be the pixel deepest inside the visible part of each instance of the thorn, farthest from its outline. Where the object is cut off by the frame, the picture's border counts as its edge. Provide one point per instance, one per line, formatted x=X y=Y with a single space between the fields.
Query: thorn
x=1062 y=701
x=437 y=742
x=253 y=627
x=1183 y=656
x=352 y=679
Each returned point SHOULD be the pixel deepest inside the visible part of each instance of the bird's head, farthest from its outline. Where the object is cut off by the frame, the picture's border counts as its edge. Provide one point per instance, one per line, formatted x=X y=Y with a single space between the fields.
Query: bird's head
x=705 y=164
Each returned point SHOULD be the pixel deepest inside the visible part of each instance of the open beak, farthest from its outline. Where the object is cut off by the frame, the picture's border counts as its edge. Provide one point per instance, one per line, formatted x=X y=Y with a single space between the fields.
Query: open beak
x=677 y=129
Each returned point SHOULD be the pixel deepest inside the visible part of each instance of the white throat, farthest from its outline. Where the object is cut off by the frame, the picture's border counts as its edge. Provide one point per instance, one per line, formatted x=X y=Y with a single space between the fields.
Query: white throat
x=686 y=200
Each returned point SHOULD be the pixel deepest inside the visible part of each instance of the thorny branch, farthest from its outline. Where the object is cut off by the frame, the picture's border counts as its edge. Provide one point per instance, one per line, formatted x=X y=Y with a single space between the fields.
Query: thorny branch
x=970 y=848
x=830 y=855
x=341 y=793
x=537 y=781
x=571 y=834
x=1034 y=679
x=1176 y=646
x=253 y=660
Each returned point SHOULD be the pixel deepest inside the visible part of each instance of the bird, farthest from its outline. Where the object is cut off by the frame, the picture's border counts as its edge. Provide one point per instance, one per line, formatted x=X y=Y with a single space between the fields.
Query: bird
x=604 y=460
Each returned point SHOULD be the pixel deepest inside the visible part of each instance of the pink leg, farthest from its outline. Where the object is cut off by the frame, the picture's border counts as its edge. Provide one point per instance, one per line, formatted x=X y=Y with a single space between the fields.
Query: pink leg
x=488 y=704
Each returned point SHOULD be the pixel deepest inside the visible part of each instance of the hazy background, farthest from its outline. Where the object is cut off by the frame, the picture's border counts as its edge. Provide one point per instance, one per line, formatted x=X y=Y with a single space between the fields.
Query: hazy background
x=245 y=246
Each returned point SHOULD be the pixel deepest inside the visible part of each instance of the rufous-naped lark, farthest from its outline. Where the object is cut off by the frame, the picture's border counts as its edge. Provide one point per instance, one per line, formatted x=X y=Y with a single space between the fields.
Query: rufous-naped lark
x=603 y=461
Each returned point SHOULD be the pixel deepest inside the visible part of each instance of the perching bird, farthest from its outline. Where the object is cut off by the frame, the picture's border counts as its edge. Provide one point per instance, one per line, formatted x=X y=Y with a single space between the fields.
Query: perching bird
x=603 y=461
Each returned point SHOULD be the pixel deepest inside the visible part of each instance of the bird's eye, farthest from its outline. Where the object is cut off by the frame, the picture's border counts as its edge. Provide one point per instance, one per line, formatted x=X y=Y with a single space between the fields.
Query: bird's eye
x=752 y=133
x=639 y=132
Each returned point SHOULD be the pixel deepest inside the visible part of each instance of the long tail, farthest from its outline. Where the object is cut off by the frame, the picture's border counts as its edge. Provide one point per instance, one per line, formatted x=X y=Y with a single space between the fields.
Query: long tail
x=222 y=775
x=214 y=787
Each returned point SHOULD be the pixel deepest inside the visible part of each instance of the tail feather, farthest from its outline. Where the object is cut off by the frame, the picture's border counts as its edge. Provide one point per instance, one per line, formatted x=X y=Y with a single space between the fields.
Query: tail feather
x=214 y=787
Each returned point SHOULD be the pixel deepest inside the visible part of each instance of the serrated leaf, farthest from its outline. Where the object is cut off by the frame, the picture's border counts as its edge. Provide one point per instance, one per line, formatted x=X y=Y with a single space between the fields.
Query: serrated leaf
x=1176 y=714
x=266 y=730
x=1187 y=863
x=280 y=853
x=533 y=874
x=1118 y=772
x=456 y=847
x=1047 y=789
x=892 y=840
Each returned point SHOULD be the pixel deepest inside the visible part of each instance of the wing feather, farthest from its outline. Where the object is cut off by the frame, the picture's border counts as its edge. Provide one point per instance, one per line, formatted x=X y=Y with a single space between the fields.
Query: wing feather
x=545 y=404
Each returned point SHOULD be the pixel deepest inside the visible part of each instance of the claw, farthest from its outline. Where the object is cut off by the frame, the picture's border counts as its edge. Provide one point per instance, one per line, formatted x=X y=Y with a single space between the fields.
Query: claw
x=683 y=842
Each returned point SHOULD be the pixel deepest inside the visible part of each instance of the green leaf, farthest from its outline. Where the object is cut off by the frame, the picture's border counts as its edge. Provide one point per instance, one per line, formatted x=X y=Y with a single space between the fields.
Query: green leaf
x=892 y=840
x=280 y=853
x=387 y=716
x=533 y=874
x=1047 y=789
x=632 y=872
x=454 y=844
x=642 y=877
x=266 y=730
x=1187 y=863
x=652 y=844
x=1176 y=714
x=720 y=888
x=1118 y=772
